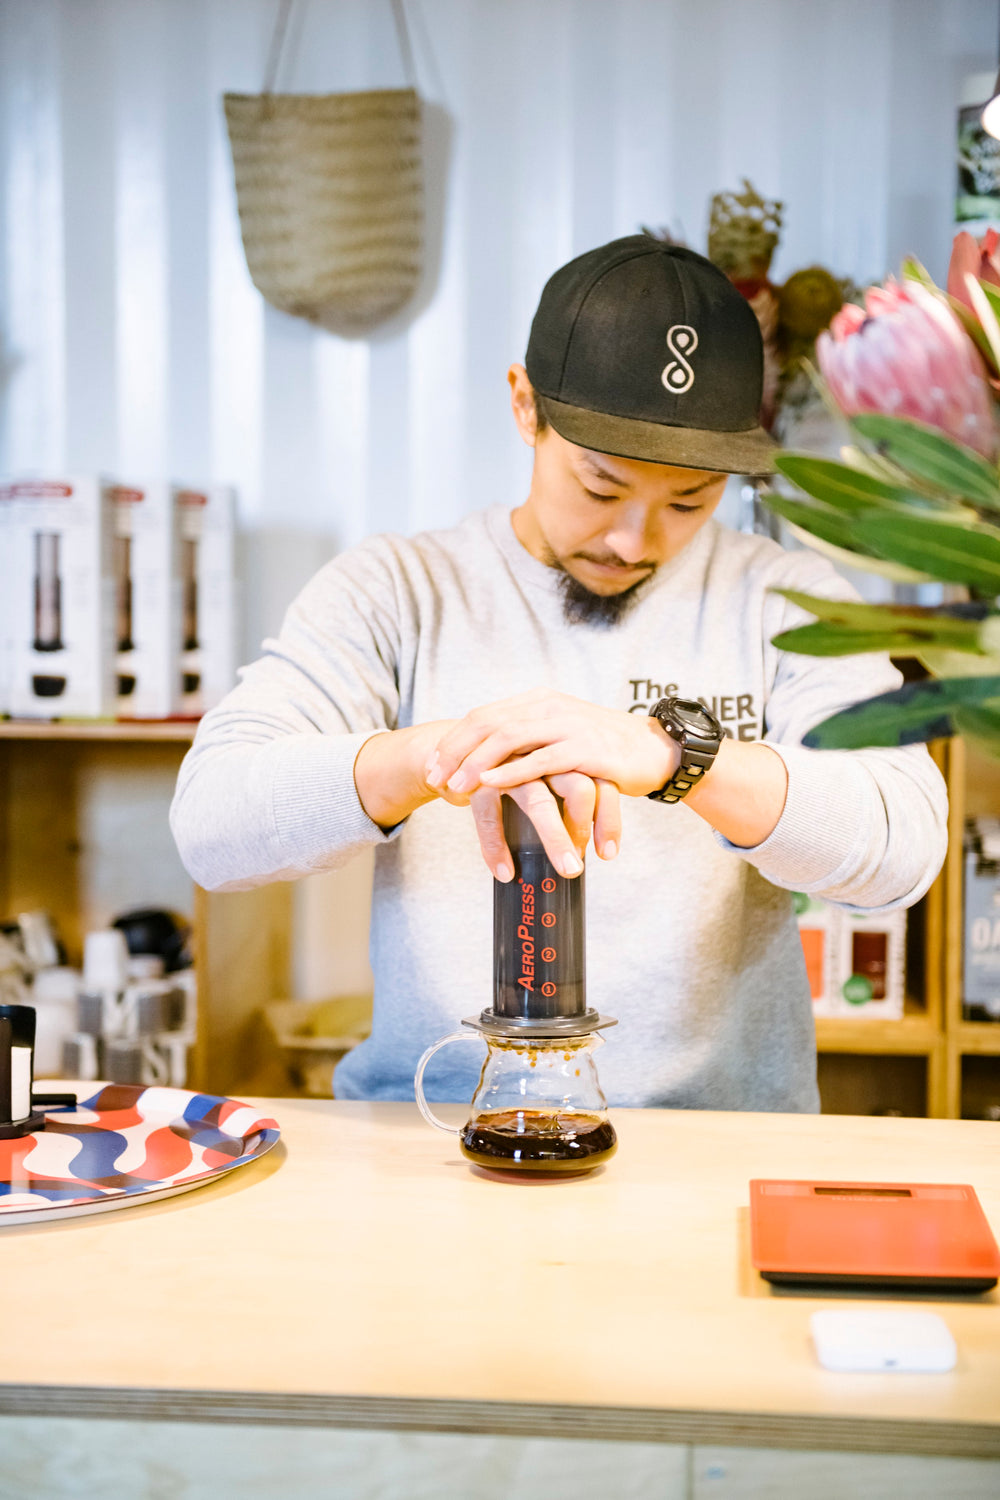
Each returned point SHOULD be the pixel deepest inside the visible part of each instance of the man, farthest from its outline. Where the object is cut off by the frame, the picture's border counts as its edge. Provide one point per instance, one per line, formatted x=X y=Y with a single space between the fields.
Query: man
x=543 y=652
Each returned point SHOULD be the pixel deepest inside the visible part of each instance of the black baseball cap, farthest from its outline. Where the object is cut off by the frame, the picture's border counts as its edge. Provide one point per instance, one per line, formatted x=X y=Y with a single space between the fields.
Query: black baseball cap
x=647 y=350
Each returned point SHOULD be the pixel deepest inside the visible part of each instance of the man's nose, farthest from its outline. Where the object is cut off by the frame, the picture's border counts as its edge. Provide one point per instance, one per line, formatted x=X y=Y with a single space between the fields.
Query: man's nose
x=632 y=536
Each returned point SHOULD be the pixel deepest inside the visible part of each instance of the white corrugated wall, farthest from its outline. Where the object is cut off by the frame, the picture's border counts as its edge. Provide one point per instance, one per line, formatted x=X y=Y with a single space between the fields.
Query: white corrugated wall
x=134 y=342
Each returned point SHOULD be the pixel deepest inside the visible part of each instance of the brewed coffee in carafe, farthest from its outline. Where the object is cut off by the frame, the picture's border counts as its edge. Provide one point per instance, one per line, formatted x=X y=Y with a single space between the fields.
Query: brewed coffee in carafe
x=538 y=1106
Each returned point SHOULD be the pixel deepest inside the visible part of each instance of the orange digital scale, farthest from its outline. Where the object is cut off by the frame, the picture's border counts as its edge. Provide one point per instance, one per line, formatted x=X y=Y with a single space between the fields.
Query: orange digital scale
x=904 y=1235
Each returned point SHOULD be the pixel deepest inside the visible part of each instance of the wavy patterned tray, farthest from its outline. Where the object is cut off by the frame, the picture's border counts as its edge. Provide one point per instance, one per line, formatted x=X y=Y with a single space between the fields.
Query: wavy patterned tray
x=124 y=1145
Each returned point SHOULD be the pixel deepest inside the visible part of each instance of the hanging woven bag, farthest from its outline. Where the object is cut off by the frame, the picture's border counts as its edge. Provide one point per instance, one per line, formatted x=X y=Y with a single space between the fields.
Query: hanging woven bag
x=330 y=191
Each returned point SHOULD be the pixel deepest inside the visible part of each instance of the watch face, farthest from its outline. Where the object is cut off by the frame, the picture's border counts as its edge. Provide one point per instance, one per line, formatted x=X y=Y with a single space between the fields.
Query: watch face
x=693 y=716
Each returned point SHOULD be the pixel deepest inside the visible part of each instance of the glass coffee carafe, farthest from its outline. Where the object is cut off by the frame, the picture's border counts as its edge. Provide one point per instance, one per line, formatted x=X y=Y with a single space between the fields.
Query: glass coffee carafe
x=538 y=1106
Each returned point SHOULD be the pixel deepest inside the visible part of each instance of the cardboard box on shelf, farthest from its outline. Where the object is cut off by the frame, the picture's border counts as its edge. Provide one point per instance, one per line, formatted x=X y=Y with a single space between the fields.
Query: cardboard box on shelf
x=871 y=966
x=981 y=946
x=856 y=961
x=6 y=619
x=206 y=549
x=818 y=927
x=59 y=583
x=148 y=585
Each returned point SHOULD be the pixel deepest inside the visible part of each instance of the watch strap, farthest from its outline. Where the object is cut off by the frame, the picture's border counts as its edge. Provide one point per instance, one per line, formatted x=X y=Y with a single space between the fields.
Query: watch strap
x=698 y=752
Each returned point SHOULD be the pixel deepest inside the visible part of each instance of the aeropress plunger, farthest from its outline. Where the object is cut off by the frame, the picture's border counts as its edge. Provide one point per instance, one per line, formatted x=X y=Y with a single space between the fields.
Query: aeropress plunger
x=538 y=1105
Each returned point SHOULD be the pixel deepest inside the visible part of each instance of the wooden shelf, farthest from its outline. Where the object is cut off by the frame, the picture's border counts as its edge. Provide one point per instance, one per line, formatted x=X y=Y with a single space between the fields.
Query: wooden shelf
x=160 y=731
x=911 y=1034
x=979 y=1036
x=84 y=834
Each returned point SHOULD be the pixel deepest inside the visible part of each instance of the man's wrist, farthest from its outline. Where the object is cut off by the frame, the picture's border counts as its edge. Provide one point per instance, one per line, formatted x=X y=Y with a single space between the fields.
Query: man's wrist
x=390 y=772
x=668 y=754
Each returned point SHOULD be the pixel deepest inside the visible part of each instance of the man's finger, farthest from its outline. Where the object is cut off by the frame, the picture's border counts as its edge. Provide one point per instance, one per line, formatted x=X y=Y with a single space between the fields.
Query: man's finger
x=545 y=762
x=607 y=819
x=499 y=744
x=539 y=803
x=579 y=799
x=488 y=815
x=463 y=737
x=453 y=749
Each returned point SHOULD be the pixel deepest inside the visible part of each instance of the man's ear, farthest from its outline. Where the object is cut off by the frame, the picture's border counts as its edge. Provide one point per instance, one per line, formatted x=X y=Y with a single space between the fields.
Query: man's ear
x=522 y=403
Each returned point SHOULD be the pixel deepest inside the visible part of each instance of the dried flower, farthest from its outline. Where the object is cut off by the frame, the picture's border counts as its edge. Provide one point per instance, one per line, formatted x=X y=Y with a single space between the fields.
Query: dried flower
x=906 y=355
x=971 y=258
x=809 y=299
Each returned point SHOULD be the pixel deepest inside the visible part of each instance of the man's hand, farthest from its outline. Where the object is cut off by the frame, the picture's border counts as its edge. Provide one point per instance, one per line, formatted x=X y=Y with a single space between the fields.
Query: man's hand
x=590 y=808
x=539 y=735
x=390 y=775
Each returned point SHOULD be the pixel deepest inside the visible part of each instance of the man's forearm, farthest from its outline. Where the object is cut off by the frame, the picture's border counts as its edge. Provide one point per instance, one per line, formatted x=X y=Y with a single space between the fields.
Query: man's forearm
x=389 y=772
x=743 y=795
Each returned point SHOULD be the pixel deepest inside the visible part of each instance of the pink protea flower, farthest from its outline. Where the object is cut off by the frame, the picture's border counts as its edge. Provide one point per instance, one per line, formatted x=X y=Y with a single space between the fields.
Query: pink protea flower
x=906 y=355
x=971 y=258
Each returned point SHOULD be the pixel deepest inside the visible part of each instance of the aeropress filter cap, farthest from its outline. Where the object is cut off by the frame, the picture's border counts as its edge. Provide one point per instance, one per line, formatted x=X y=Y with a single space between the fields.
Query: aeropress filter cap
x=539 y=944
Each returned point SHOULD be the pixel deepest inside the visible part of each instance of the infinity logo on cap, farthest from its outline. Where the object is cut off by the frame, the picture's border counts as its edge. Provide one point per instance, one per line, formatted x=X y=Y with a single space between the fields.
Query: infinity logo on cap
x=678 y=376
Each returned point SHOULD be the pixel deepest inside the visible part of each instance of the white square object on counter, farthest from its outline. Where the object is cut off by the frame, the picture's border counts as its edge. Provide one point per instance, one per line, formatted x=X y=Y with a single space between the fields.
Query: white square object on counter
x=882 y=1340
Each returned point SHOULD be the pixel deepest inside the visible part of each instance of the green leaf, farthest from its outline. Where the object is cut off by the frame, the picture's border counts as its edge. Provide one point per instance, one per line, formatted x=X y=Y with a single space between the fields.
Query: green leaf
x=878 y=467
x=841 y=557
x=823 y=522
x=845 y=628
x=914 y=713
x=992 y=295
x=948 y=552
x=947 y=663
x=836 y=484
x=985 y=310
x=914 y=271
x=964 y=626
x=974 y=329
x=979 y=724
x=822 y=639
x=929 y=456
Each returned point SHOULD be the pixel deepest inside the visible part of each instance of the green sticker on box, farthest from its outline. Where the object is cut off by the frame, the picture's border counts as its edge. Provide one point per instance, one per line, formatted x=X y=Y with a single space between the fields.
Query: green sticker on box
x=857 y=990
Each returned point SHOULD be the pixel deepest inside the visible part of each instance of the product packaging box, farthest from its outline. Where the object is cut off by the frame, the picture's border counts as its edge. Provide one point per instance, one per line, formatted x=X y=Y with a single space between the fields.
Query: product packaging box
x=871 y=977
x=981 y=948
x=60 y=606
x=818 y=929
x=147 y=594
x=856 y=961
x=206 y=518
x=6 y=621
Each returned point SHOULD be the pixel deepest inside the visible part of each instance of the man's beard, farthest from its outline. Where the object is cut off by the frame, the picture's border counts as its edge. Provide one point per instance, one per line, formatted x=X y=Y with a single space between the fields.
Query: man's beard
x=583 y=607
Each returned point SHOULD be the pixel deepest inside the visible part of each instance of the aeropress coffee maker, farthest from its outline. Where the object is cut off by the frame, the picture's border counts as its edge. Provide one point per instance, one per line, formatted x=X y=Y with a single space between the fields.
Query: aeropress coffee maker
x=538 y=1106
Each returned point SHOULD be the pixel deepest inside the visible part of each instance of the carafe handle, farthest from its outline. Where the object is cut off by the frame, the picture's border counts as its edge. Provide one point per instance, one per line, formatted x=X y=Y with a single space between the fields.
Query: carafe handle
x=418 y=1079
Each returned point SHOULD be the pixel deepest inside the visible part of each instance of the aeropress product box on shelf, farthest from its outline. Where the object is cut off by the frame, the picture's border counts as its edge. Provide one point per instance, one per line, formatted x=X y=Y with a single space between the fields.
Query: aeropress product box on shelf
x=6 y=619
x=206 y=520
x=60 y=597
x=981 y=946
x=147 y=596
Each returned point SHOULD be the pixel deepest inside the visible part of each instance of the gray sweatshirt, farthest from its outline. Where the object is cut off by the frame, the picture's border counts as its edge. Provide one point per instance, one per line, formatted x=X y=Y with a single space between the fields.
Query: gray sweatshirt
x=691 y=941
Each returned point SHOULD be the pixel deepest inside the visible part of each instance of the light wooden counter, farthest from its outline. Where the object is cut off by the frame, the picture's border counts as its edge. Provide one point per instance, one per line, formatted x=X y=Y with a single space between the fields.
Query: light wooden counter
x=364 y=1275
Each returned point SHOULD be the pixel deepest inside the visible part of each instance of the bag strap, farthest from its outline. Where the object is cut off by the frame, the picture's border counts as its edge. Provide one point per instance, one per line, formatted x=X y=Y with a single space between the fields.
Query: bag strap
x=281 y=29
x=277 y=46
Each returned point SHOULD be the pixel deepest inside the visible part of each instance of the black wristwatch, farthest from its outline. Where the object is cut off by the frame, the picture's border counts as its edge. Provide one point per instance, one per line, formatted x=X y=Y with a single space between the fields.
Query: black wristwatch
x=699 y=735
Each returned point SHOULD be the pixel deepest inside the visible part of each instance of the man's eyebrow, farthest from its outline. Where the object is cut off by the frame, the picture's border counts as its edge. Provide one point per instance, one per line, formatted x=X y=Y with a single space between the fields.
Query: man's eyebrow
x=696 y=487
x=601 y=472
